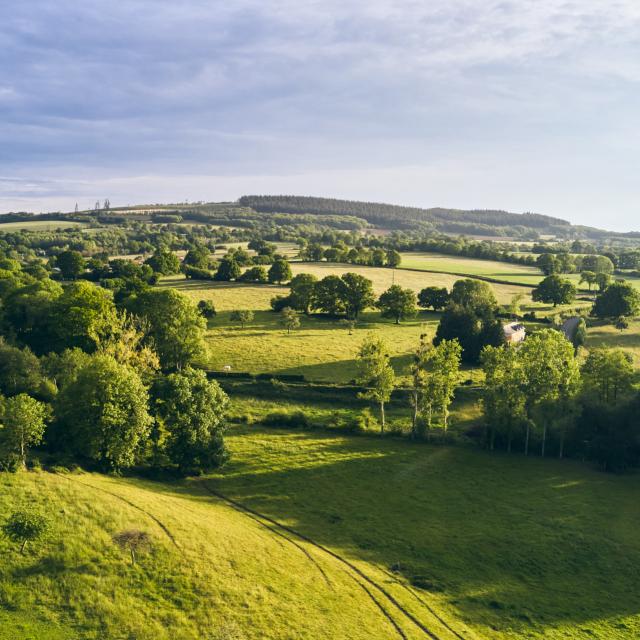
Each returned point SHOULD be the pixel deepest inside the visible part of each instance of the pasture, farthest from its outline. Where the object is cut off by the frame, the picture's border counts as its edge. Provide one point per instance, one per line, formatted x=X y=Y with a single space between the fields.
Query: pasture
x=39 y=225
x=516 y=273
x=345 y=537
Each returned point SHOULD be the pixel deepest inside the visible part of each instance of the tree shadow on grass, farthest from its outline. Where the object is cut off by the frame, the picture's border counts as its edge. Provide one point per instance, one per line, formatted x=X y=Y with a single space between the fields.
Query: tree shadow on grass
x=513 y=543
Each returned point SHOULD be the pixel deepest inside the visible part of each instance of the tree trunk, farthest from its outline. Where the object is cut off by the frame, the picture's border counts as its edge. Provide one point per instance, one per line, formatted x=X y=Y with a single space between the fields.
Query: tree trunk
x=509 y=436
x=526 y=440
x=24 y=544
x=445 y=417
x=561 y=453
x=414 y=425
x=544 y=439
x=133 y=556
x=382 y=418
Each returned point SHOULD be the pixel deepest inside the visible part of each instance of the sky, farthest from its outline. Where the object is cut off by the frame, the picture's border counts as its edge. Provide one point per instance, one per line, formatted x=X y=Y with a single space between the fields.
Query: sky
x=512 y=104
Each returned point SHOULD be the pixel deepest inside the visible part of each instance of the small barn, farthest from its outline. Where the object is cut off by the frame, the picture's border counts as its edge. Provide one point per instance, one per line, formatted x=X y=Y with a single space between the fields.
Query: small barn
x=514 y=332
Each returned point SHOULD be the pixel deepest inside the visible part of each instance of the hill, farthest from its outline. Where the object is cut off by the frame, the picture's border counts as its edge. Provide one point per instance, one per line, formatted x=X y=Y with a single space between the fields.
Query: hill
x=315 y=536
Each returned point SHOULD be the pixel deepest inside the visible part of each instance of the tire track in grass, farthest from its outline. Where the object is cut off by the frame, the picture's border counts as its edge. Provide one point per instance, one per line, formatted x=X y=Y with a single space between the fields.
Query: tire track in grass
x=363 y=577
x=131 y=504
x=429 y=608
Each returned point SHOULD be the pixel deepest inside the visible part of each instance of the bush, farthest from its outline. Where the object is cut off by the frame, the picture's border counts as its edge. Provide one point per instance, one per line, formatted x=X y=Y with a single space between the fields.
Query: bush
x=295 y=420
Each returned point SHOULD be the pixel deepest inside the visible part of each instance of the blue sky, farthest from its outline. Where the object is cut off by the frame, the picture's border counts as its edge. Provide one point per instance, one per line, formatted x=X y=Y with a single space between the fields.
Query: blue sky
x=521 y=105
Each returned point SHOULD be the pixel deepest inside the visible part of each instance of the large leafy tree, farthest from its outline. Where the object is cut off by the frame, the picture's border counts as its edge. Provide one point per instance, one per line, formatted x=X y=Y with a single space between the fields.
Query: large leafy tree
x=357 y=294
x=554 y=290
x=618 y=299
x=551 y=379
x=376 y=374
x=475 y=295
x=102 y=413
x=503 y=393
x=71 y=264
x=20 y=372
x=279 y=272
x=435 y=297
x=83 y=316
x=607 y=374
x=397 y=303
x=228 y=269
x=329 y=295
x=192 y=411
x=164 y=262
x=173 y=327
x=303 y=287
x=197 y=257
x=22 y=425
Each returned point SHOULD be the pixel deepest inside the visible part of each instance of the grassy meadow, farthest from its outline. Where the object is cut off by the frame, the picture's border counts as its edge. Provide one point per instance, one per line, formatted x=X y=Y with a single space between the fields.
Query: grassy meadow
x=39 y=225
x=519 y=274
x=400 y=540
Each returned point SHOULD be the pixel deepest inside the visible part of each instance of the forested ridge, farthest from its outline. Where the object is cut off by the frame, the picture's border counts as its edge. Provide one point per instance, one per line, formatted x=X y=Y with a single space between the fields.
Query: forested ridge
x=396 y=215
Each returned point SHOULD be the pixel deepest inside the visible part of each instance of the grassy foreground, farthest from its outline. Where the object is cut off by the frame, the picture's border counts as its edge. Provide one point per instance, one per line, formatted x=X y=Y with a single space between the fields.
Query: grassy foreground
x=395 y=540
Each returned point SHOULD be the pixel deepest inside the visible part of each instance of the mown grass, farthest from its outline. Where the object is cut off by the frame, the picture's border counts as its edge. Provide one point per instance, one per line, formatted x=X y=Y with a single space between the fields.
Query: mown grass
x=600 y=334
x=39 y=225
x=511 y=547
x=457 y=264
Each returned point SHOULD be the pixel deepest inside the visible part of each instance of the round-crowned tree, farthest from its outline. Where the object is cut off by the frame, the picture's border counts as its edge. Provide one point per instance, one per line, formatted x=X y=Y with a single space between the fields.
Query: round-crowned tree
x=192 y=410
x=101 y=415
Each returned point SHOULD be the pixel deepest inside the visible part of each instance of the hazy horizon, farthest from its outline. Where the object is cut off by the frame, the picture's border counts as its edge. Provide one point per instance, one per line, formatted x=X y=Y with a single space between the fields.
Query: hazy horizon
x=491 y=105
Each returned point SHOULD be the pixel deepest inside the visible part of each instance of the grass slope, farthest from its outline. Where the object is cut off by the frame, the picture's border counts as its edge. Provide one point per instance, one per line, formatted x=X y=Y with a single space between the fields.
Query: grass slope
x=343 y=538
x=507 y=546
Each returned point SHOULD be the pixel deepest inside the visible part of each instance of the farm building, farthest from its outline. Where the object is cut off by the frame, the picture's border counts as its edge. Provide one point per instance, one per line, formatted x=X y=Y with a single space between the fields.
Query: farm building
x=514 y=332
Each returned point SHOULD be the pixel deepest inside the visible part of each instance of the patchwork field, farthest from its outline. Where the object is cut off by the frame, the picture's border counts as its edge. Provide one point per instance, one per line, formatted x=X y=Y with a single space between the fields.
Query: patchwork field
x=456 y=264
x=39 y=225
x=344 y=538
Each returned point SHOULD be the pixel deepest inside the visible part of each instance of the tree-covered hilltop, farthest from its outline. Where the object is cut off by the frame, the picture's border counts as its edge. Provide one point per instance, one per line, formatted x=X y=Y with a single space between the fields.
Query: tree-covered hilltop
x=395 y=216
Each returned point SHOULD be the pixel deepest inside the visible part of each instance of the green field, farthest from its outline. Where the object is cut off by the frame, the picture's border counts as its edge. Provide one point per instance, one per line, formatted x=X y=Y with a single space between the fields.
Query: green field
x=519 y=274
x=400 y=539
x=38 y=225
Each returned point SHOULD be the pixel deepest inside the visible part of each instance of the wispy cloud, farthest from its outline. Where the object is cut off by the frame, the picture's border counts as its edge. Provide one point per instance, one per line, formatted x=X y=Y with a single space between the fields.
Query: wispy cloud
x=99 y=90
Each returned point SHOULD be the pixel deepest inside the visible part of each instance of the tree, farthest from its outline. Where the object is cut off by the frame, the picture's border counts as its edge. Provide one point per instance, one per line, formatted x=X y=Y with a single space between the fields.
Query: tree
x=71 y=264
x=503 y=394
x=475 y=295
x=598 y=264
x=241 y=316
x=397 y=303
x=174 y=328
x=514 y=304
x=446 y=366
x=589 y=277
x=192 y=409
x=607 y=374
x=25 y=526
x=207 y=309
x=554 y=289
x=228 y=270
x=435 y=297
x=197 y=257
x=289 y=319
x=279 y=272
x=602 y=280
x=376 y=373
x=254 y=274
x=164 y=262
x=20 y=372
x=551 y=378
x=83 y=316
x=472 y=333
x=393 y=258
x=618 y=299
x=579 y=335
x=548 y=263
x=329 y=295
x=303 y=289
x=357 y=292
x=101 y=414
x=22 y=424
x=134 y=541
